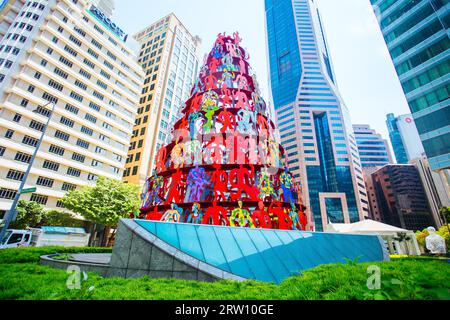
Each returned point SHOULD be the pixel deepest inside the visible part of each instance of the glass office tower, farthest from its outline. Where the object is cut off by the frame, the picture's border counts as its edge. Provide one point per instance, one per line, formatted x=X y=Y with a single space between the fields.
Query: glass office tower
x=313 y=121
x=417 y=36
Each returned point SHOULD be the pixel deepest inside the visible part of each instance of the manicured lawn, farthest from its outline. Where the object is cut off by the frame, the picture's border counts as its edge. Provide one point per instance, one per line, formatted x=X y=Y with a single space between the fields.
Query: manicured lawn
x=21 y=277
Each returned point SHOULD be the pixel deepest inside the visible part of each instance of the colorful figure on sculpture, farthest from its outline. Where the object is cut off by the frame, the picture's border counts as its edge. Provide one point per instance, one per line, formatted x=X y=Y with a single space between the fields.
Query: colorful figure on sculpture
x=242 y=216
x=172 y=215
x=221 y=151
x=261 y=218
x=196 y=216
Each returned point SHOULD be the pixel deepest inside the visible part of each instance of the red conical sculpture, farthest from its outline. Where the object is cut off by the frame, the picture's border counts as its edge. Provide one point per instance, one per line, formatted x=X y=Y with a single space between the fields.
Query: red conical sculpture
x=223 y=166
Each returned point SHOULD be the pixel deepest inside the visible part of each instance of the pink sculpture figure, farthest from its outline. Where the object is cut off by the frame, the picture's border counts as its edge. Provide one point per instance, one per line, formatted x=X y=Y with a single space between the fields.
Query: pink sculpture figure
x=253 y=157
x=237 y=38
x=161 y=159
x=216 y=214
x=214 y=65
x=196 y=102
x=210 y=82
x=241 y=100
x=263 y=126
x=174 y=194
x=220 y=180
x=221 y=39
x=232 y=147
x=242 y=82
x=225 y=96
x=240 y=180
x=226 y=118
x=261 y=217
x=231 y=48
x=214 y=149
x=242 y=66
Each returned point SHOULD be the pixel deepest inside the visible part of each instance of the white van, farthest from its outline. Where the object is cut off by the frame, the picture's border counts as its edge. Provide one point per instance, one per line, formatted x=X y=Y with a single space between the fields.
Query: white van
x=46 y=236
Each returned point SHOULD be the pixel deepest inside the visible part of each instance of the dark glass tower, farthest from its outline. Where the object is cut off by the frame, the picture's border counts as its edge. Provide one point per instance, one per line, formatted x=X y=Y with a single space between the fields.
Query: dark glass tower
x=314 y=124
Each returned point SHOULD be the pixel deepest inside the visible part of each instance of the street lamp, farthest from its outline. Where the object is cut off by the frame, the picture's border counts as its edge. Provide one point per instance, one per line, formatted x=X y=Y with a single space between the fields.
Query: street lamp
x=11 y=214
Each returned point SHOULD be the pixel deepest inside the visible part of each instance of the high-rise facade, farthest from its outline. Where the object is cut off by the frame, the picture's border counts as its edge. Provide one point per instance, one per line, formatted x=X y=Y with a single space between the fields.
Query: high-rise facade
x=404 y=138
x=8 y=13
x=396 y=139
x=105 y=6
x=169 y=56
x=373 y=149
x=401 y=197
x=62 y=52
x=313 y=121
x=417 y=36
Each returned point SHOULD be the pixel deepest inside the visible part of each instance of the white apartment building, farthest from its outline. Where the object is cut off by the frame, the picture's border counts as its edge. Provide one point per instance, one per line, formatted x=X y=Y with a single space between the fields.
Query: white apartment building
x=169 y=55
x=68 y=53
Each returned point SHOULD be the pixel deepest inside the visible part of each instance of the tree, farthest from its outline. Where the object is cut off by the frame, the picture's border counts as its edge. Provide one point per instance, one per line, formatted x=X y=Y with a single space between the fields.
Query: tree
x=106 y=203
x=29 y=215
x=56 y=218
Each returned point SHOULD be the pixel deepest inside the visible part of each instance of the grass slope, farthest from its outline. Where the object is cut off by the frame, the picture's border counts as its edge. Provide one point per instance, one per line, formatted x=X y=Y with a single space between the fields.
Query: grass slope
x=21 y=277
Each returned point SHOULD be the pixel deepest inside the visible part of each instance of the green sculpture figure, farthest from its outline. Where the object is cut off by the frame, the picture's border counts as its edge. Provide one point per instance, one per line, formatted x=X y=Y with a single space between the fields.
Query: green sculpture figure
x=243 y=217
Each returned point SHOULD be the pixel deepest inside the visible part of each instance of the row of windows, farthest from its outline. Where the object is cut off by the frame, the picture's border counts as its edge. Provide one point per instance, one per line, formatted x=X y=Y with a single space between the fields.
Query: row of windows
x=423 y=56
x=430 y=99
x=427 y=77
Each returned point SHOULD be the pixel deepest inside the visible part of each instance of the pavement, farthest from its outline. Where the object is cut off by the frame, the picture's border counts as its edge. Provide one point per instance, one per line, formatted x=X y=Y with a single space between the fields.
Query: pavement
x=97 y=258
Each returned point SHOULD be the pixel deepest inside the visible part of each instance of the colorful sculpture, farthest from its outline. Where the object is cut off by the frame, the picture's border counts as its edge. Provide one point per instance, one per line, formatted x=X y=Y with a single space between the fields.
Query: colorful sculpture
x=224 y=155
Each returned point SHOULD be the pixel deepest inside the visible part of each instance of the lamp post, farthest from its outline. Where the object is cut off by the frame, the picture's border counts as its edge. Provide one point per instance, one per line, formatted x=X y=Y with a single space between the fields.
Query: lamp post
x=11 y=214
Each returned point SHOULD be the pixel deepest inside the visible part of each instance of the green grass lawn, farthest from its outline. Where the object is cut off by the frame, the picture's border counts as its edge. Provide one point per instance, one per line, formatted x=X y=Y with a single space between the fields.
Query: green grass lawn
x=21 y=277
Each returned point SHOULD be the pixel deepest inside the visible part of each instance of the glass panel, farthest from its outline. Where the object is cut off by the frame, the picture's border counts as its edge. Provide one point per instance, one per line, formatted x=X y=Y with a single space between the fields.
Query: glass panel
x=189 y=242
x=212 y=250
x=258 y=266
x=233 y=254
x=168 y=233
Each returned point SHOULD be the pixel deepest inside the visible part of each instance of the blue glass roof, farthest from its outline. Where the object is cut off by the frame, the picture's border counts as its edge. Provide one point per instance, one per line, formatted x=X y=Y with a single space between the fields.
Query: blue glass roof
x=261 y=254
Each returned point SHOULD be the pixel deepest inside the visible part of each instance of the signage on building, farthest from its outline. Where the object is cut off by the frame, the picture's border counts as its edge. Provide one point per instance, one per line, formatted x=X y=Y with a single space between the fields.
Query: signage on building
x=107 y=22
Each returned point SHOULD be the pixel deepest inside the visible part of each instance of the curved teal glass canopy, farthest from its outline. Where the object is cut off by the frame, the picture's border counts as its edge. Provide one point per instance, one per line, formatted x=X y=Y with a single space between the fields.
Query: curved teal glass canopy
x=262 y=254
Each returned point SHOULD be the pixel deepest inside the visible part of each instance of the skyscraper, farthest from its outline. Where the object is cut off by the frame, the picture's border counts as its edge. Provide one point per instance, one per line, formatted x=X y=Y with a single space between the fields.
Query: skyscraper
x=373 y=149
x=404 y=138
x=62 y=52
x=401 y=197
x=169 y=57
x=314 y=124
x=416 y=33
x=105 y=6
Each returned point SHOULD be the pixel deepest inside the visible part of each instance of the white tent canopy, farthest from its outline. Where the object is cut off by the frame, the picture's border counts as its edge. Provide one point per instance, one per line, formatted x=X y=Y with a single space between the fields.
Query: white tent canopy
x=367 y=227
x=389 y=233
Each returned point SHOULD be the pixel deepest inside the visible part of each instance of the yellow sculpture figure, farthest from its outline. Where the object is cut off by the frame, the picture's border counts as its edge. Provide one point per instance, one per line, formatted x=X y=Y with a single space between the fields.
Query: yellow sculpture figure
x=243 y=217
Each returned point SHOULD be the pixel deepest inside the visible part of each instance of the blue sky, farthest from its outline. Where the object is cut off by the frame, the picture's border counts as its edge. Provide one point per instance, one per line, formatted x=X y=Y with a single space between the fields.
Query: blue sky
x=365 y=74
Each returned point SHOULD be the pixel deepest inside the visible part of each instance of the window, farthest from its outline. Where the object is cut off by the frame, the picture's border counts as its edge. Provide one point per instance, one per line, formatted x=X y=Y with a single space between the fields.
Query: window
x=73 y=172
x=62 y=135
x=22 y=157
x=72 y=109
x=68 y=186
x=15 y=175
x=50 y=165
x=7 y=193
x=78 y=157
x=83 y=144
x=45 y=182
x=37 y=125
x=87 y=131
x=67 y=122
x=9 y=133
x=56 y=150
x=30 y=141
x=2 y=151
x=39 y=199
x=43 y=111
x=17 y=117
